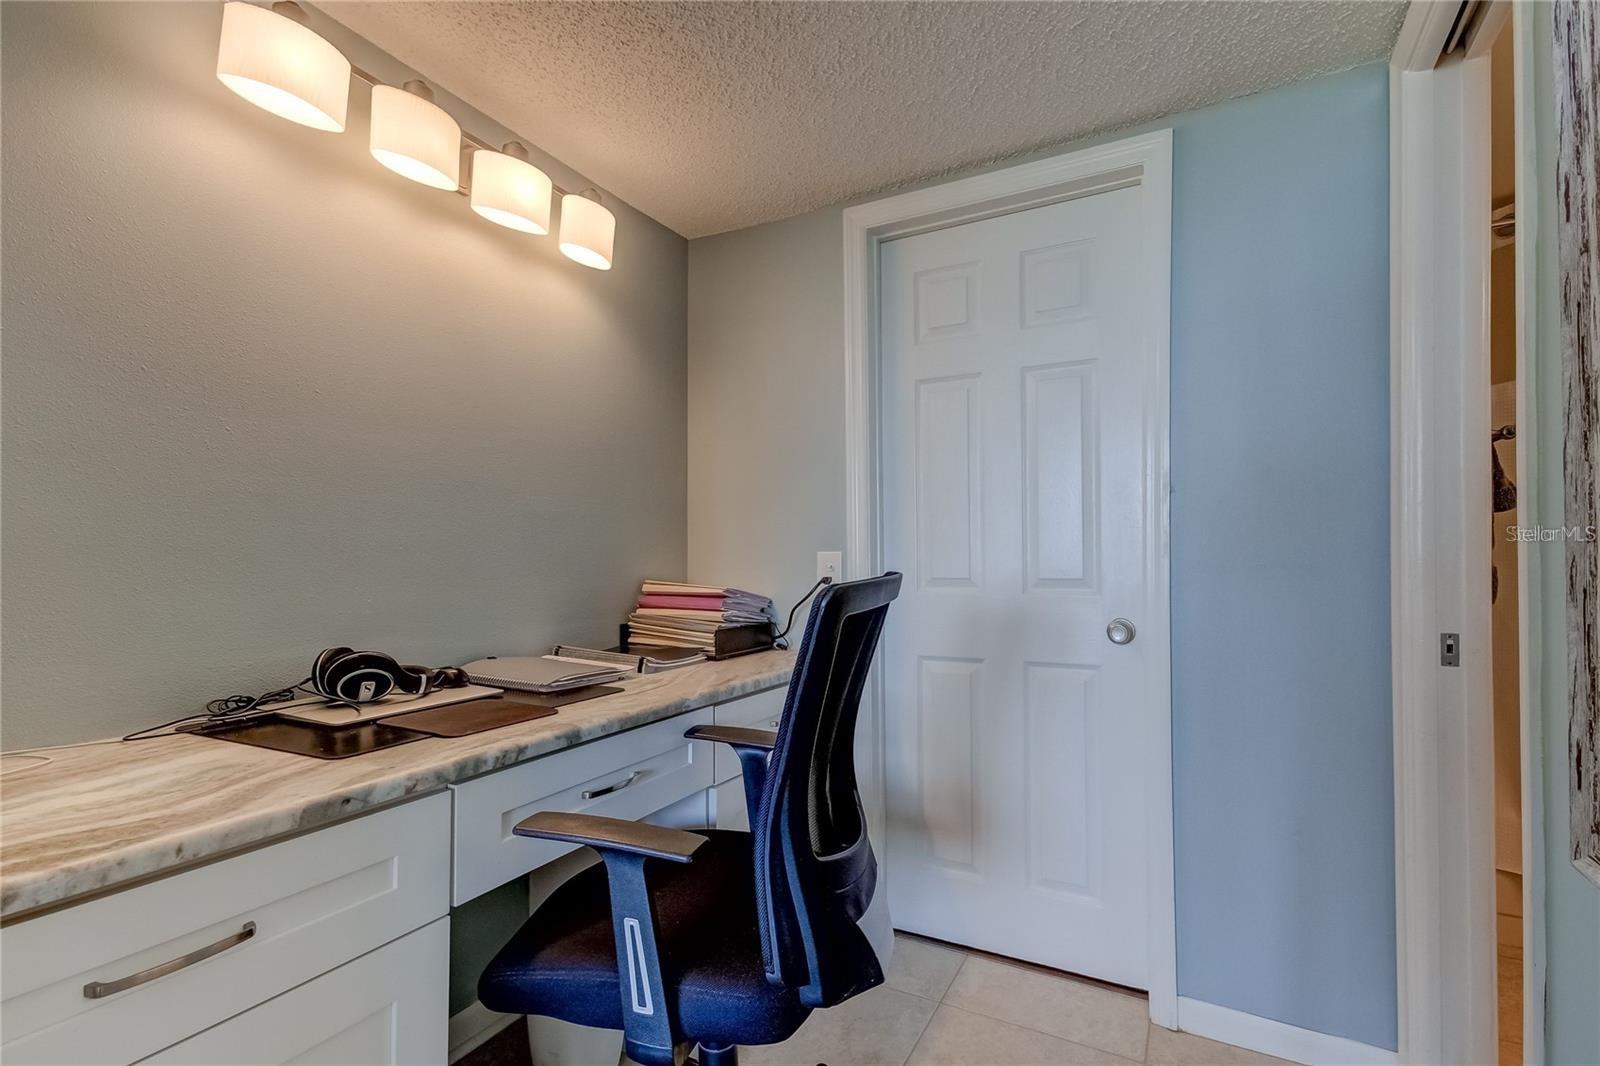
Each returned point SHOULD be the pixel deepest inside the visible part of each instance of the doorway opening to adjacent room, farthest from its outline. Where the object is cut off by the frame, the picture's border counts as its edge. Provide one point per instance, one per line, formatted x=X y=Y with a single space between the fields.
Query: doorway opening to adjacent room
x=1007 y=408
x=1505 y=599
x=1469 y=918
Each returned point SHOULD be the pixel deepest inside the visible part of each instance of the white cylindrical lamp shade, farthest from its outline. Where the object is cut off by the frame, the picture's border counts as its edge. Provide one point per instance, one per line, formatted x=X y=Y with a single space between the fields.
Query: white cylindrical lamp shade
x=415 y=138
x=510 y=191
x=588 y=231
x=283 y=67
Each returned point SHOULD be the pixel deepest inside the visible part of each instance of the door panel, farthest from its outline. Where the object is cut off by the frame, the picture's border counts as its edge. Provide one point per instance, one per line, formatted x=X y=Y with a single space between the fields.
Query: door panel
x=1058 y=782
x=1059 y=476
x=1017 y=377
x=948 y=701
x=949 y=495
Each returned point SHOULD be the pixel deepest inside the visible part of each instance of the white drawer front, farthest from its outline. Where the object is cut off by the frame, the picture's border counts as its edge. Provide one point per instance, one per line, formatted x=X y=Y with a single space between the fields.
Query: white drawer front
x=316 y=901
x=762 y=711
x=383 y=1009
x=644 y=770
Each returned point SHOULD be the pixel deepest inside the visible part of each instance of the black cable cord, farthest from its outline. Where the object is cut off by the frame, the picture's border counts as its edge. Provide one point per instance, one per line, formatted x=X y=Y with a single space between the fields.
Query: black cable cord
x=227 y=707
x=232 y=706
x=779 y=641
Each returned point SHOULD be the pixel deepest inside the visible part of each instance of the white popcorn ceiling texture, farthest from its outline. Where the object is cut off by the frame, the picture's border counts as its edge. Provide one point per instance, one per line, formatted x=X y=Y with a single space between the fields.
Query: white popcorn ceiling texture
x=715 y=116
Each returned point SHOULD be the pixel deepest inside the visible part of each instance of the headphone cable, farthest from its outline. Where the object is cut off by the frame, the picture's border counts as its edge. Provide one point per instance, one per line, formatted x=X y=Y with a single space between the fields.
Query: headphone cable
x=226 y=708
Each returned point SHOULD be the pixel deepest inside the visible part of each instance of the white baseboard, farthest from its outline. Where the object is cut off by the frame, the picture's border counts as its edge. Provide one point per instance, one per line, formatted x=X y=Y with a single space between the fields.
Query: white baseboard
x=472 y=1027
x=1276 y=1038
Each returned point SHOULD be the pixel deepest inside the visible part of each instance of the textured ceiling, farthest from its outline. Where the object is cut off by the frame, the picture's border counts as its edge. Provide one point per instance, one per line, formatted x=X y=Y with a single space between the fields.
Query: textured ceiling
x=714 y=116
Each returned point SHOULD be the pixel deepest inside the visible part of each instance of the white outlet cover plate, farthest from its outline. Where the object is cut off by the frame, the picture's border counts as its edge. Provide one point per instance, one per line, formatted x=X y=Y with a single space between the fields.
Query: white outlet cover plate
x=830 y=564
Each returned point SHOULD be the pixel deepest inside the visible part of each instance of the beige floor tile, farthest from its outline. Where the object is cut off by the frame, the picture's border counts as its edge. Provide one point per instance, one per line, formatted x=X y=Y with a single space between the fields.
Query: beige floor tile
x=922 y=967
x=876 y=1028
x=1050 y=1003
x=958 y=1038
x=1185 y=1049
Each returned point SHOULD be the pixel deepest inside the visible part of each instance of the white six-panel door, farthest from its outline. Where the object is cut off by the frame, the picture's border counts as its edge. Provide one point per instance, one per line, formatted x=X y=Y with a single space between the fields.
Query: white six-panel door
x=1016 y=381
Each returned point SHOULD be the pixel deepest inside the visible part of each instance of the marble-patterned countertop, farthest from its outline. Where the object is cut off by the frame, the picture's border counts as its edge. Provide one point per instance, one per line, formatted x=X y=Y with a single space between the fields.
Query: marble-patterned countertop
x=92 y=818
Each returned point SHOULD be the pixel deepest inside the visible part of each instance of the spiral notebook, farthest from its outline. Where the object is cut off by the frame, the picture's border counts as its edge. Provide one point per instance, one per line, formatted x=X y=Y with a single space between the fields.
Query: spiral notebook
x=633 y=662
x=539 y=673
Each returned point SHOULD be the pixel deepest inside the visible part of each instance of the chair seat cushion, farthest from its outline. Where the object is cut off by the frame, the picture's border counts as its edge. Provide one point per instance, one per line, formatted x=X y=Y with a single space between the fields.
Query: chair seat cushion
x=562 y=963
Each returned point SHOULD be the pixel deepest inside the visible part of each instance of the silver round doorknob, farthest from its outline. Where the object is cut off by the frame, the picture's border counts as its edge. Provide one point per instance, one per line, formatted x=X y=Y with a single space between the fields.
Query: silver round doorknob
x=1121 y=631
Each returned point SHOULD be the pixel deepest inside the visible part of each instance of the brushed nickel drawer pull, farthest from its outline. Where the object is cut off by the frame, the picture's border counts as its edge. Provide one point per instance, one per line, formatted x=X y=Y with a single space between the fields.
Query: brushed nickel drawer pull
x=102 y=989
x=596 y=793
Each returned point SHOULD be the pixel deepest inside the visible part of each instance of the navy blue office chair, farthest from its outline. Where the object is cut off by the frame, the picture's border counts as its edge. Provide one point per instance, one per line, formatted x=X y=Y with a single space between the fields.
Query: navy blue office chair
x=726 y=938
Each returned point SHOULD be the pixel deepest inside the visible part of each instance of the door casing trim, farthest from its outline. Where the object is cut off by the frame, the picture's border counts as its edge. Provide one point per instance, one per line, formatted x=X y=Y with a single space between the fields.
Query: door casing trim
x=1144 y=161
x=1440 y=544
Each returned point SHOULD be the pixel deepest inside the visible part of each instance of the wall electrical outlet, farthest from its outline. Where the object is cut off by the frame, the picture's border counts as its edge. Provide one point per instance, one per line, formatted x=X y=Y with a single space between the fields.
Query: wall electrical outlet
x=830 y=564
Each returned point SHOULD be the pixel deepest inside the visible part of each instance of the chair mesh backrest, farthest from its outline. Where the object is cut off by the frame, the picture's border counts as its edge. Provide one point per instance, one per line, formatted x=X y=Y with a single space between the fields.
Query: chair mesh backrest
x=815 y=871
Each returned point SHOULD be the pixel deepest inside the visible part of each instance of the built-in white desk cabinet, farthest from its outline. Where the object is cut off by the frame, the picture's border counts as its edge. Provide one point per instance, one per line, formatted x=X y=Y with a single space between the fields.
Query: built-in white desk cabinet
x=201 y=902
x=125 y=976
x=627 y=776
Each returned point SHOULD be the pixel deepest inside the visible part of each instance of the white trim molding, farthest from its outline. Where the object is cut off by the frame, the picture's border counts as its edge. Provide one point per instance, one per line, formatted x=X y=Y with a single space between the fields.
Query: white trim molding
x=1144 y=161
x=1424 y=34
x=1440 y=562
x=472 y=1026
x=1276 y=1038
x=1443 y=739
x=1527 y=21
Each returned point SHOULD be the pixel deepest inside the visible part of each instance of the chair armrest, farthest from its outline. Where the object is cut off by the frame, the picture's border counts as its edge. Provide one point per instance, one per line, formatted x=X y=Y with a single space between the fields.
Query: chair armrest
x=626 y=847
x=735 y=735
x=611 y=834
x=753 y=746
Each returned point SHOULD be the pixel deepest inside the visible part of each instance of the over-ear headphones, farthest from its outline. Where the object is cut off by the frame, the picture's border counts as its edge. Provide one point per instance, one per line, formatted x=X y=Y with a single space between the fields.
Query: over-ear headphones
x=351 y=676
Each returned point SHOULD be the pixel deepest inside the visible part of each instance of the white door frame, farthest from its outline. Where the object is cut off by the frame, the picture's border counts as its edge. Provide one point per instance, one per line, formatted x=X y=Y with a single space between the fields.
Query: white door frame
x=1136 y=161
x=1440 y=545
x=1531 y=202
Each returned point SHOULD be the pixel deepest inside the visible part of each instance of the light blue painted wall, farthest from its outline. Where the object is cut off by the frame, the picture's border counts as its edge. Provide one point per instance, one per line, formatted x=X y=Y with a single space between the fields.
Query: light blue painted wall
x=1285 y=863
x=1282 y=719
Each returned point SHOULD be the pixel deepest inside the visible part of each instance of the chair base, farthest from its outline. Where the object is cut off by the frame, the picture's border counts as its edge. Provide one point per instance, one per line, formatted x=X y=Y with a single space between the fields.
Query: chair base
x=728 y=1056
x=695 y=1055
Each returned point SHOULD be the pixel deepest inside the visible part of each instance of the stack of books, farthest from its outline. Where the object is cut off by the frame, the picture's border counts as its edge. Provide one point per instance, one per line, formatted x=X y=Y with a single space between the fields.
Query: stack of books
x=674 y=615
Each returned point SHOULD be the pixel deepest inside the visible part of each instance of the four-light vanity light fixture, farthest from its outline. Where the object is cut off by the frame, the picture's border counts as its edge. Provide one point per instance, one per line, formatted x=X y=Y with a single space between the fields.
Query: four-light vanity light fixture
x=272 y=59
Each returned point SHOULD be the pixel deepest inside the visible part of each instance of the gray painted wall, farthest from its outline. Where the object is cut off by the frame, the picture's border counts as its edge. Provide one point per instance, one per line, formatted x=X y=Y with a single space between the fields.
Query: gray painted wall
x=261 y=395
x=1280 y=416
x=1572 y=902
x=766 y=415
